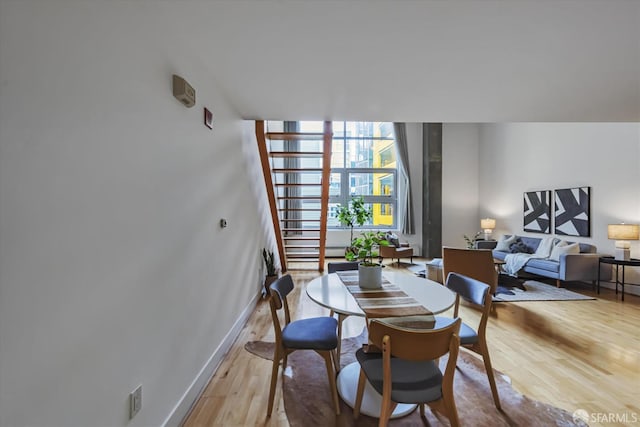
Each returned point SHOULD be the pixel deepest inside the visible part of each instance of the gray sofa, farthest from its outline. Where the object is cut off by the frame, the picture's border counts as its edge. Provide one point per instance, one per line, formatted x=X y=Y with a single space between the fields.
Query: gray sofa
x=570 y=267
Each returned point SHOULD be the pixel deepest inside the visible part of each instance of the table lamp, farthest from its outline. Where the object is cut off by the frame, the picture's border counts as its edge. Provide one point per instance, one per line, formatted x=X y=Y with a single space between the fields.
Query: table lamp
x=622 y=233
x=487 y=224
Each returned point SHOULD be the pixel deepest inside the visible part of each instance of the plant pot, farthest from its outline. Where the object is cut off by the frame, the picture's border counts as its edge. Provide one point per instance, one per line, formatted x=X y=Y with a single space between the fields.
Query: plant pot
x=268 y=280
x=370 y=277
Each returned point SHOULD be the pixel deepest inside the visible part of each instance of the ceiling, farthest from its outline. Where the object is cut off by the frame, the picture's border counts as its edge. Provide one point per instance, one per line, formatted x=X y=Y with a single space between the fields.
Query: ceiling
x=444 y=61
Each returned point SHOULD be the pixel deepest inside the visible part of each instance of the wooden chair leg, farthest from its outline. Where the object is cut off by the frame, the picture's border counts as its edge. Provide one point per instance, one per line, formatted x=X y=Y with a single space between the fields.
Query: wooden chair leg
x=274 y=381
x=361 y=383
x=331 y=374
x=341 y=318
x=492 y=381
x=386 y=409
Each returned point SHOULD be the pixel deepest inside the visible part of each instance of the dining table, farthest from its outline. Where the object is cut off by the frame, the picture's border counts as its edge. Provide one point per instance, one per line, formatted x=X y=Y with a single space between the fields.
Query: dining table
x=330 y=291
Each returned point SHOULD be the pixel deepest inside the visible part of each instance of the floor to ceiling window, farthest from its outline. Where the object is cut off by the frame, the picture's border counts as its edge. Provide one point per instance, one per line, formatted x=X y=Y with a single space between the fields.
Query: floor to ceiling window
x=363 y=163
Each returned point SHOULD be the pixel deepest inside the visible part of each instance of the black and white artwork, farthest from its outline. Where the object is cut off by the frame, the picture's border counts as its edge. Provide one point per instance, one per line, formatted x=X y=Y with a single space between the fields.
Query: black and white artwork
x=572 y=212
x=537 y=211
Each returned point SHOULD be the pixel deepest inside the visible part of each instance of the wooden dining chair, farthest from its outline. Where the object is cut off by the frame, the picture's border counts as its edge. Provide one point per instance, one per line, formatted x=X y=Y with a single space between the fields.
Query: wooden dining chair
x=333 y=267
x=475 y=263
x=318 y=334
x=477 y=294
x=406 y=369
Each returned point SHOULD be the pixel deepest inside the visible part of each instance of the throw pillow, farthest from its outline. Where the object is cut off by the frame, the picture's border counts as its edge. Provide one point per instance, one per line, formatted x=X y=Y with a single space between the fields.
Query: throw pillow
x=393 y=239
x=558 y=250
x=504 y=243
x=519 y=247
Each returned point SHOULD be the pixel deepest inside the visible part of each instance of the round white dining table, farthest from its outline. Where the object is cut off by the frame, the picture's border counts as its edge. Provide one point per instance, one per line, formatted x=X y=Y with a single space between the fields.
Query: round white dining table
x=329 y=291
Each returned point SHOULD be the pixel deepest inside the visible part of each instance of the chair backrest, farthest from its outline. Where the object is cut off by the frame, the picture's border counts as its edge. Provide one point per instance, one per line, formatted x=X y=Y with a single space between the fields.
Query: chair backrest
x=468 y=288
x=473 y=291
x=278 y=300
x=332 y=267
x=410 y=342
x=475 y=263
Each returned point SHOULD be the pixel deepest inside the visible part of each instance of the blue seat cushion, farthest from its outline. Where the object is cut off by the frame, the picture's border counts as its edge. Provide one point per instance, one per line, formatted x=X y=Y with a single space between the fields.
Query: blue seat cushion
x=467 y=334
x=317 y=333
x=412 y=381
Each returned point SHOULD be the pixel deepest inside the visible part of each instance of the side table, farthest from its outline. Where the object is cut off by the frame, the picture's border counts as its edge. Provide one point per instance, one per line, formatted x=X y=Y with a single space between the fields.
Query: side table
x=633 y=262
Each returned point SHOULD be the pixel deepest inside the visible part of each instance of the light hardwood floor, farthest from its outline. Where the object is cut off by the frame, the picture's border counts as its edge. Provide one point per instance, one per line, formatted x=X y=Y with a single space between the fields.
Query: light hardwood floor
x=571 y=354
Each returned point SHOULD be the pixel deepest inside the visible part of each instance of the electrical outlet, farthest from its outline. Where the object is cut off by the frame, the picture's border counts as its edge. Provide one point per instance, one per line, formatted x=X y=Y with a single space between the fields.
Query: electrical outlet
x=135 y=401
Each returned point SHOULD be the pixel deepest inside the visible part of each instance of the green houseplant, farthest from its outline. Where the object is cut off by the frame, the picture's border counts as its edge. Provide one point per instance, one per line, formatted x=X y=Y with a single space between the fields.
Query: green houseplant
x=355 y=213
x=365 y=245
x=471 y=241
x=272 y=273
x=364 y=248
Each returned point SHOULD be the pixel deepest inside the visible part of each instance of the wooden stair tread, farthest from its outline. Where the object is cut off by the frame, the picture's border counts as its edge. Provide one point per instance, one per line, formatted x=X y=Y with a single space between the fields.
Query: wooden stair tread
x=292 y=136
x=302 y=246
x=299 y=198
x=301 y=238
x=304 y=184
x=300 y=154
x=296 y=170
x=300 y=229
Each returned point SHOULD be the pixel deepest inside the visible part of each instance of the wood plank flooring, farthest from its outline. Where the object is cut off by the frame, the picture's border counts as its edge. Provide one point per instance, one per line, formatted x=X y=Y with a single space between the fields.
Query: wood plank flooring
x=571 y=354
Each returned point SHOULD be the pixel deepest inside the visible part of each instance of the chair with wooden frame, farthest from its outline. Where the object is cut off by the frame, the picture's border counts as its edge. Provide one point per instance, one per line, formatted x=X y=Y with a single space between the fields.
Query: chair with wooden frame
x=317 y=333
x=333 y=267
x=477 y=295
x=475 y=263
x=407 y=371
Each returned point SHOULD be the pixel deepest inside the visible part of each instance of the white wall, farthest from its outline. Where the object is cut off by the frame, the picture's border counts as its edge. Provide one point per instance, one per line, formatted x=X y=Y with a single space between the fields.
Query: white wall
x=520 y=157
x=460 y=184
x=113 y=269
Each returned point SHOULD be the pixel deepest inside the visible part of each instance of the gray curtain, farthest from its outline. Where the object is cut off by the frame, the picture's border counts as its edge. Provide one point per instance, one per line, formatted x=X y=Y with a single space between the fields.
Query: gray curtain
x=405 y=204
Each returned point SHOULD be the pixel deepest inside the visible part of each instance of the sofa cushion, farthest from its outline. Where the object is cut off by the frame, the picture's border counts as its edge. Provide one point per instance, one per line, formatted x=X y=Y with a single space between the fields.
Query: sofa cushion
x=393 y=239
x=531 y=242
x=504 y=243
x=544 y=264
x=519 y=247
x=565 y=248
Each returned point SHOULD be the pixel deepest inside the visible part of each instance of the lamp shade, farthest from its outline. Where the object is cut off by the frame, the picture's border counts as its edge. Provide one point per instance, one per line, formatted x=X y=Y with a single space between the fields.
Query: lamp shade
x=488 y=223
x=623 y=231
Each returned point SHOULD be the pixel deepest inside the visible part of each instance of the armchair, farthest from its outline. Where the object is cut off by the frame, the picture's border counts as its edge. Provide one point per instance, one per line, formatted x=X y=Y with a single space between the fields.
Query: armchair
x=395 y=250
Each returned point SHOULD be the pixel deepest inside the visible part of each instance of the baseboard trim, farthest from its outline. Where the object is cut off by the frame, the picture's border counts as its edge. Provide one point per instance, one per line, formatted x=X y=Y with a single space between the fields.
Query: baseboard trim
x=184 y=406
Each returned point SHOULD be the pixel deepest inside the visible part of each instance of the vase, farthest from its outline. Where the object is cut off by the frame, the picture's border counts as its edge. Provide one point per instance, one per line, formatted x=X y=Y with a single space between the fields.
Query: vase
x=370 y=277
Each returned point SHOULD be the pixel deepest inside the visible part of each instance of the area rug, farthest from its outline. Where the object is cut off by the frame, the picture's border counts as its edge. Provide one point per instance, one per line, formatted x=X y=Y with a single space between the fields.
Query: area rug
x=537 y=291
x=307 y=399
x=515 y=290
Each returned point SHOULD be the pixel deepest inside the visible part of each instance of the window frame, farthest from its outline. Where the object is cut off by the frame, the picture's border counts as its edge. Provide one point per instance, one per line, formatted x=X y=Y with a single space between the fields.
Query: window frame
x=345 y=197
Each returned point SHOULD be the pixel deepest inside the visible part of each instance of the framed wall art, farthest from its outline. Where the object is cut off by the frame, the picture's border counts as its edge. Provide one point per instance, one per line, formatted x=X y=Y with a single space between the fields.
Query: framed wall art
x=537 y=211
x=572 y=211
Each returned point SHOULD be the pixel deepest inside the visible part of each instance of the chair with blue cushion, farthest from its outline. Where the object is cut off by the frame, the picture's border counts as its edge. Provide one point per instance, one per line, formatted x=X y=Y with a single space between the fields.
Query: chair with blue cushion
x=477 y=294
x=406 y=370
x=333 y=267
x=318 y=334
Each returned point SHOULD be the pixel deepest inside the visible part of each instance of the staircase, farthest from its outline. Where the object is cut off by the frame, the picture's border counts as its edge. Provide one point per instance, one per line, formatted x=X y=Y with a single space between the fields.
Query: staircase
x=296 y=168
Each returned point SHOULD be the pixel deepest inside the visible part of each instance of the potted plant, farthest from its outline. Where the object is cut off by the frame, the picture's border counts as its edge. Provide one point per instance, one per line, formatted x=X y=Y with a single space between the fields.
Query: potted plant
x=471 y=241
x=355 y=213
x=364 y=249
x=272 y=274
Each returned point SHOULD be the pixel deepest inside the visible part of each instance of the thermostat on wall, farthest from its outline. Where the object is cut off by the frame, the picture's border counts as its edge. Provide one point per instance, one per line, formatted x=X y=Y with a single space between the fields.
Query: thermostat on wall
x=183 y=91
